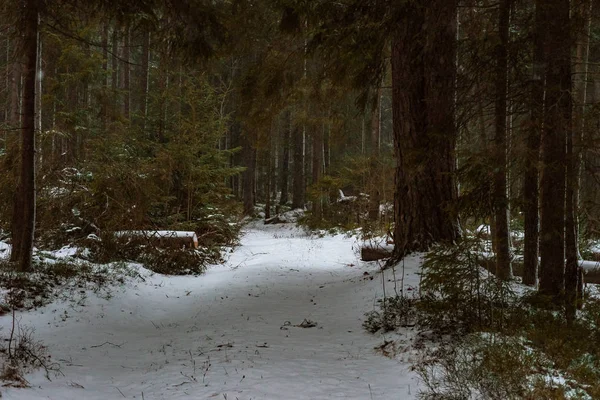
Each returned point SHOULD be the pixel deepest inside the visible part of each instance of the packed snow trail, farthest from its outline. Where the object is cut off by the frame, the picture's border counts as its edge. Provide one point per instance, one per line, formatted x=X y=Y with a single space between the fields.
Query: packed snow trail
x=234 y=333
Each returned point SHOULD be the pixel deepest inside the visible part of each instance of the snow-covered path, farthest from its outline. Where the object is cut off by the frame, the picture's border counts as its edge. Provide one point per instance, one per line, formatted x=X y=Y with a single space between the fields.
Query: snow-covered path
x=230 y=334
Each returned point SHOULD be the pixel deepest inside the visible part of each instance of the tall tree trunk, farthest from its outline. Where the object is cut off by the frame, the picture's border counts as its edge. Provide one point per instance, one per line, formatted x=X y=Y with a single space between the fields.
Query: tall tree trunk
x=249 y=174
x=423 y=76
x=285 y=157
x=26 y=197
x=145 y=73
x=502 y=231
x=298 y=192
x=557 y=125
x=531 y=178
x=375 y=193
x=13 y=150
x=105 y=80
x=115 y=70
x=583 y=15
x=126 y=72
x=317 y=170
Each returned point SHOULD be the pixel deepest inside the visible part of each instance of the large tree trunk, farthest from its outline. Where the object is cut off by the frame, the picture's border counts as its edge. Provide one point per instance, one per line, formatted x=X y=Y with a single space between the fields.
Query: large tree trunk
x=423 y=75
x=574 y=143
x=26 y=196
x=531 y=178
x=557 y=124
x=501 y=233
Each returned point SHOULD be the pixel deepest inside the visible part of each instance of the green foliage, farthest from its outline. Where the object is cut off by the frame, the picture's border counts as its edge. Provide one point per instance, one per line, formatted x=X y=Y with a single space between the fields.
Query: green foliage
x=486 y=367
x=459 y=293
x=395 y=312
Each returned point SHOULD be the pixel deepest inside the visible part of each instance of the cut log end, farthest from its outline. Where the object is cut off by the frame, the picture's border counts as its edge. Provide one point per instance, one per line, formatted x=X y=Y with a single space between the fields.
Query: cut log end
x=374 y=253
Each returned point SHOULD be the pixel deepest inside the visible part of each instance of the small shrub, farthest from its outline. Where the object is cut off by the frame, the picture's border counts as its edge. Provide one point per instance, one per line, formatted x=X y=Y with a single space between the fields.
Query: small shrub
x=175 y=262
x=479 y=367
x=395 y=312
x=459 y=294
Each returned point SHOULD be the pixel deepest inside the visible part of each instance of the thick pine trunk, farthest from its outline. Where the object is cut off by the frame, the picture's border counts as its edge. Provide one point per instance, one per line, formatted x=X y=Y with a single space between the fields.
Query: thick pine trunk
x=531 y=177
x=26 y=195
x=557 y=125
x=501 y=204
x=423 y=75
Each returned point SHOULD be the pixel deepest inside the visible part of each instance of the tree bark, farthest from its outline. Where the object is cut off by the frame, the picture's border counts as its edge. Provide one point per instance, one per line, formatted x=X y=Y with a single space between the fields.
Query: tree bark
x=557 y=125
x=423 y=76
x=531 y=177
x=501 y=203
x=26 y=196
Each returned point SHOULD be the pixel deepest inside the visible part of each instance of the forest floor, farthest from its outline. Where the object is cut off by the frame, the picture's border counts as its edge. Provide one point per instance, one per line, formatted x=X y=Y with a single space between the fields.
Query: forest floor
x=244 y=330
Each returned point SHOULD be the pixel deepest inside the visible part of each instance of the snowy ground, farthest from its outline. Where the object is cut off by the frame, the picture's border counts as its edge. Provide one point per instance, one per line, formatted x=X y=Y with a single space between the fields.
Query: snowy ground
x=230 y=333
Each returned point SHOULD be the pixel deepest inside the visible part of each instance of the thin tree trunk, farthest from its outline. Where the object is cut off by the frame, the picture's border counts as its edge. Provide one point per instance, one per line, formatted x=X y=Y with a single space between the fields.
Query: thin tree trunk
x=13 y=148
x=317 y=170
x=298 y=192
x=502 y=231
x=574 y=145
x=105 y=80
x=557 y=125
x=423 y=73
x=375 y=193
x=115 y=70
x=126 y=72
x=285 y=157
x=531 y=178
x=145 y=76
x=249 y=174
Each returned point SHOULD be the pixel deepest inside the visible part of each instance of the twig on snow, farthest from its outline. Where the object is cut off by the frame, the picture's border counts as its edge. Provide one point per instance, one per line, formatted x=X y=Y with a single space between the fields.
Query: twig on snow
x=112 y=344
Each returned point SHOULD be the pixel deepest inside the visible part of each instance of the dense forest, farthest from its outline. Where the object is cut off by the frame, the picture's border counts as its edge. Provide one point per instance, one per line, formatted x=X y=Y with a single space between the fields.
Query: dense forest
x=462 y=132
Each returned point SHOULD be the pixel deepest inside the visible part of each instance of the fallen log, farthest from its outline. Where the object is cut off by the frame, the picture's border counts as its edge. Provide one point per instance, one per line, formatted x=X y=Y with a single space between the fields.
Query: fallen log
x=591 y=269
x=163 y=239
x=376 y=252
